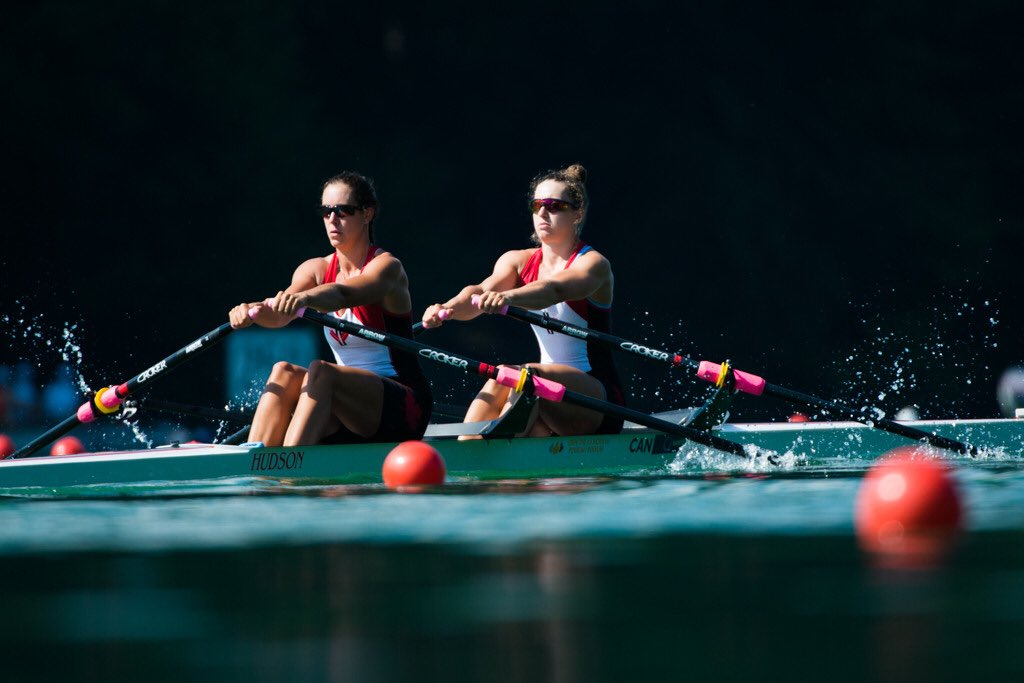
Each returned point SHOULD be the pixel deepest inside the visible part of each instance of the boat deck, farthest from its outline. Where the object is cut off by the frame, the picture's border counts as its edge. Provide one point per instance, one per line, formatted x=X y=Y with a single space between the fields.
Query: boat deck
x=635 y=450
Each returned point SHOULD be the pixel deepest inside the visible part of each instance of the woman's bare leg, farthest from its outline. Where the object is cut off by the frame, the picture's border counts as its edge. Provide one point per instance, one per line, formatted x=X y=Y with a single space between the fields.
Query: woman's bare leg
x=336 y=395
x=489 y=404
x=275 y=407
x=562 y=418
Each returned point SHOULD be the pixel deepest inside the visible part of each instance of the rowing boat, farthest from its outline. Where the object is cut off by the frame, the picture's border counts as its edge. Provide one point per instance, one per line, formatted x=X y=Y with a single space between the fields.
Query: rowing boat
x=697 y=439
x=636 y=450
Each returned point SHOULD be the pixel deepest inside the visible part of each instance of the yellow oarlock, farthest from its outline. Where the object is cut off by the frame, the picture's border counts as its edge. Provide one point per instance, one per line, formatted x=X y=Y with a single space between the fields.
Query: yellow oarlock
x=524 y=375
x=722 y=374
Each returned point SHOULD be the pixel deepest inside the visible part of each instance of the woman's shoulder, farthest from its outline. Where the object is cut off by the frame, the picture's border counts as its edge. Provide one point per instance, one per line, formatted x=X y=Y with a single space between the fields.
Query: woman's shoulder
x=518 y=256
x=587 y=256
x=383 y=259
x=315 y=266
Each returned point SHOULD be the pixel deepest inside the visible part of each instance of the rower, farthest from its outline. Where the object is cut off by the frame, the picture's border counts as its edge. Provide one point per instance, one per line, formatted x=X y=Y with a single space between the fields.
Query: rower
x=369 y=393
x=566 y=278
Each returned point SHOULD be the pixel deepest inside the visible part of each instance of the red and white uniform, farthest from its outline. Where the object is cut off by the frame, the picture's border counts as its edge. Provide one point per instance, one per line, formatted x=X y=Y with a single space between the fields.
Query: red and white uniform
x=354 y=351
x=593 y=359
x=407 y=399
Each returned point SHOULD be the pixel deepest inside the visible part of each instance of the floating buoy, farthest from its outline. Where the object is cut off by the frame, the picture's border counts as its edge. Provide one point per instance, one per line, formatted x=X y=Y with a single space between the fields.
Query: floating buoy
x=413 y=463
x=908 y=507
x=798 y=417
x=6 y=446
x=69 y=445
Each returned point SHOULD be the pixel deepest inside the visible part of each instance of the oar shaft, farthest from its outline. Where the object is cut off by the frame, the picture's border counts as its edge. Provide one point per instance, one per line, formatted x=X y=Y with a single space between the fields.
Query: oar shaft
x=109 y=399
x=703 y=438
x=745 y=381
x=882 y=423
x=585 y=333
x=544 y=388
x=172 y=408
x=49 y=435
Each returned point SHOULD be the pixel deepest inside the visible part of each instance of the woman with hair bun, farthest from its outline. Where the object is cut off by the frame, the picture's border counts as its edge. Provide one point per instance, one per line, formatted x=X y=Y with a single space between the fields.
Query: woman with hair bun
x=370 y=393
x=565 y=278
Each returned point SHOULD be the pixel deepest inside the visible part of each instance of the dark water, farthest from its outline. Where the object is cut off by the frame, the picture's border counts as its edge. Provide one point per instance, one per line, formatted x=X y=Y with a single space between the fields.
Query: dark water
x=693 y=607
x=615 y=579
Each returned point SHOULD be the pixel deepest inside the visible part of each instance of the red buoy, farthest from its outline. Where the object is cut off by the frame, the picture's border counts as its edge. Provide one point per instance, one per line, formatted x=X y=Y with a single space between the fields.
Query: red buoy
x=69 y=445
x=6 y=446
x=798 y=417
x=413 y=463
x=908 y=506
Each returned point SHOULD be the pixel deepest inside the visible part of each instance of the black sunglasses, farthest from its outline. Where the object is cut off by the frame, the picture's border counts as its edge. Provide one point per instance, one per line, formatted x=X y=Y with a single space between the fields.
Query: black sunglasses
x=325 y=210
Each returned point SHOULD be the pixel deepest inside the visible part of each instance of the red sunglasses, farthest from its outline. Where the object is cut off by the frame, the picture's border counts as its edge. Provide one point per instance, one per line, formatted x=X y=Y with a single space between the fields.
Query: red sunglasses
x=552 y=205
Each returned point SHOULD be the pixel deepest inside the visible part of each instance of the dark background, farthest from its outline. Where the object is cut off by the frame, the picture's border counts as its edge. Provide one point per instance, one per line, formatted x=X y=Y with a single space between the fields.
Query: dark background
x=828 y=195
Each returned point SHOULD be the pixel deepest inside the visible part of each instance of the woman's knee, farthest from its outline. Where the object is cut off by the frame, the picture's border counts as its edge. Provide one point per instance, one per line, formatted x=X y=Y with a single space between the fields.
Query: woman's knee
x=286 y=374
x=283 y=368
x=329 y=377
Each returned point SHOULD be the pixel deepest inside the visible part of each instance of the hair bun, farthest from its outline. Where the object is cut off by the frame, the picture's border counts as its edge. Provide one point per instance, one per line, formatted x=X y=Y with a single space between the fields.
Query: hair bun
x=576 y=172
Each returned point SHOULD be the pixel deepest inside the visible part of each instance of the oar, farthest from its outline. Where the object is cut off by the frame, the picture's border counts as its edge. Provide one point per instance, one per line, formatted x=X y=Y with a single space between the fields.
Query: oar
x=172 y=408
x=544 y=388
x=108 y=399
x=744 y=381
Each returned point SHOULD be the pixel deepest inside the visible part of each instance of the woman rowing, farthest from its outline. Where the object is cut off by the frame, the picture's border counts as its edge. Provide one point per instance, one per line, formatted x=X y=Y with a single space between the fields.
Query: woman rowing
x=568 y=280
x=369 y=393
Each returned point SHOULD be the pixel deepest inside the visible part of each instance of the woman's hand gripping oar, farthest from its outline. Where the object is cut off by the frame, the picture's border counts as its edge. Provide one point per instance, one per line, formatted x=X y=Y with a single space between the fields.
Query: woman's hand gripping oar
x=520 y=380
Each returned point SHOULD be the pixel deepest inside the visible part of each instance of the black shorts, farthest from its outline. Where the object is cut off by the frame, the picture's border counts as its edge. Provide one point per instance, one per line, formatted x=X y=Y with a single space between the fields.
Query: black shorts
x=611 y=424
x=404 y=416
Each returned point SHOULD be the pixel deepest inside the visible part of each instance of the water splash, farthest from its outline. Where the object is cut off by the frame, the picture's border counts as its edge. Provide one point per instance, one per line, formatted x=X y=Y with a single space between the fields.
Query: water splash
x=693 y=457
x=33 y=337
x=661 y=387
x=913 y=359
x=244 y=403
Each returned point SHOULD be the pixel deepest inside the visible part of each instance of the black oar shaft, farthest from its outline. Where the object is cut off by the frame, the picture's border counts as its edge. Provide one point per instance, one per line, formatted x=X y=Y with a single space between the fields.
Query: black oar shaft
x=586 y=333
x=884 y=424
x=470 y=366
x=172 y=408
x=703 y=438
x=775 y=390
x=146 y=377
x=49 y=435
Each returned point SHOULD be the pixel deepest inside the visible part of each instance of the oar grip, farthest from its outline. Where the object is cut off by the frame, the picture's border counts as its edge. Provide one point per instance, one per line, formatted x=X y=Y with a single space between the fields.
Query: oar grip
x=104 y=402
x=745 y=382
x=545 y=388
x=444 y=313
x=254 y=311
x=475 y=300
x=85 y=412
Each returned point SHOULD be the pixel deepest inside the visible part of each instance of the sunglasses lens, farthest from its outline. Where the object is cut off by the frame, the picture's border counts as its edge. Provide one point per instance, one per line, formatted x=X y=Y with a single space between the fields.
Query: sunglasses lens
x=342 y=210
x=552 y=205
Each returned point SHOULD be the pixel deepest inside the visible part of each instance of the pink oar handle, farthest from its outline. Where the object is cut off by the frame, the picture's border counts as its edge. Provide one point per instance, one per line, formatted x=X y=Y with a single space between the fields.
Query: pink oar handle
x=269 y=302
x=545 y=388
x=443 y=314
x=745 y=382
x=475 y=300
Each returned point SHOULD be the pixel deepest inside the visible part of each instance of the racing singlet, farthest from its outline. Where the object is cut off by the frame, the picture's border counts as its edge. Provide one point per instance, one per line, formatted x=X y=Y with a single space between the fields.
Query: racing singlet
x=354 y=351
x=407 y=398
x=590 y=357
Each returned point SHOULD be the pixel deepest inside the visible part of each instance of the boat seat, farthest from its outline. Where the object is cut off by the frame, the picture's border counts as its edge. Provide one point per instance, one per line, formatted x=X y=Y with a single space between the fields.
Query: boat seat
x=513 y=423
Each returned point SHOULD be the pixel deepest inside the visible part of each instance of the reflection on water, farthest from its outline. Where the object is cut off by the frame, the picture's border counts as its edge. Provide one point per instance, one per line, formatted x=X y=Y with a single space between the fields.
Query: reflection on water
x=698 y=607
x=704 y=577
